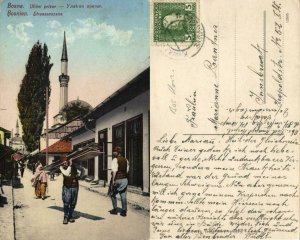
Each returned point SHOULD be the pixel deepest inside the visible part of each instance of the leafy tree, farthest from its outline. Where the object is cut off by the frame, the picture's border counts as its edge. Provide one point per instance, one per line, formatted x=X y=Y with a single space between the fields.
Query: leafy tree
x=74 y=109
x=32 y=95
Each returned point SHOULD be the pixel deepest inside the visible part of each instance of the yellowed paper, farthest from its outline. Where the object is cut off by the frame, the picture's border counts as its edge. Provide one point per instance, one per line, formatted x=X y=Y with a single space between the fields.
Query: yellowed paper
x=225 y=119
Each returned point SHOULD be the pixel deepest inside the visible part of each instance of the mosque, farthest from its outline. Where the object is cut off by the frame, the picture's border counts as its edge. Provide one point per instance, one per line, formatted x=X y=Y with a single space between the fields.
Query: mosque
x=16 y=141
x=61 y=127
x=59 y=119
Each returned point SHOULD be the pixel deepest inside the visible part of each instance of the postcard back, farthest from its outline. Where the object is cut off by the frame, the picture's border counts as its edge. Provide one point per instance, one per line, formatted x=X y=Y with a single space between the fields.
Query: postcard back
x=224 y=119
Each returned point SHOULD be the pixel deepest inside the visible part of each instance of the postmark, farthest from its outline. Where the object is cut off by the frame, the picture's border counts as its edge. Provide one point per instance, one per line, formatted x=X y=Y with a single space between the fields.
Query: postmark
x=176 y=28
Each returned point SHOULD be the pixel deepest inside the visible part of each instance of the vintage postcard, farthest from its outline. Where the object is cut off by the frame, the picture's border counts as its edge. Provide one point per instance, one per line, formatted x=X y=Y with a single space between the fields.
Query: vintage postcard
x=74 y=119
x=225 y=154
x=149 y=119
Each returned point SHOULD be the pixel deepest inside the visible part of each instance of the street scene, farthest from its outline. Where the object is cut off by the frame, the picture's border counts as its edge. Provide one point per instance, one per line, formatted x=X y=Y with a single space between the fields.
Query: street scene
x=37 y=218
x=74 y=120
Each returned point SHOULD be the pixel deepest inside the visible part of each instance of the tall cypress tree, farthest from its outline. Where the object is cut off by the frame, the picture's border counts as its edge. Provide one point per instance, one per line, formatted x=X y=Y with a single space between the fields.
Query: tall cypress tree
x=32 y=95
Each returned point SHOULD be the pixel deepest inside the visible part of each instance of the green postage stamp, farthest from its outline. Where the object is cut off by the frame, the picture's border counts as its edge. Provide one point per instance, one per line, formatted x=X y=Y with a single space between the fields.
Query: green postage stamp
x=174 y=21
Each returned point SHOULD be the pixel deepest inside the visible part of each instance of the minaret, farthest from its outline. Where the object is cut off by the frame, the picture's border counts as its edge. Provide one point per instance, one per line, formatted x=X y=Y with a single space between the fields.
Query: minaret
x=64 y=78
x=17 y=129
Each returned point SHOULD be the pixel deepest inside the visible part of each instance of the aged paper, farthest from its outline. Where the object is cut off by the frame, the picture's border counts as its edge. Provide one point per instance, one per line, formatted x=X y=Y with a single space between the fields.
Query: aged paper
x=100 y=55
x=224 y=119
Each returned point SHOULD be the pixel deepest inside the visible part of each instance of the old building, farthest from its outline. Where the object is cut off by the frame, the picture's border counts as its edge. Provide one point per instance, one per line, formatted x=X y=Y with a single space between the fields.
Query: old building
x=81 y=138
x=4 y=136
x=122 y=120
x=57 y=151
x=5 y=152
x=55 y=141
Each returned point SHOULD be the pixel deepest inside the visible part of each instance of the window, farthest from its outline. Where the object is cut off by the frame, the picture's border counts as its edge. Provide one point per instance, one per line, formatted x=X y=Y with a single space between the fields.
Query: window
x=102 y=166
x=118 y=137
x=134 y=150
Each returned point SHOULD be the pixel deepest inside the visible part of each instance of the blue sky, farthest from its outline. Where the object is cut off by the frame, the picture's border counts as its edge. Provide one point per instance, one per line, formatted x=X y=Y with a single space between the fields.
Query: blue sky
x=107 y=47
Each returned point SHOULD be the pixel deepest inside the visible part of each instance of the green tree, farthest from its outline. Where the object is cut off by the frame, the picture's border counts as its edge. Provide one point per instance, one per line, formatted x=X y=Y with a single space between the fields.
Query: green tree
x=32 y=95
x=74 y=109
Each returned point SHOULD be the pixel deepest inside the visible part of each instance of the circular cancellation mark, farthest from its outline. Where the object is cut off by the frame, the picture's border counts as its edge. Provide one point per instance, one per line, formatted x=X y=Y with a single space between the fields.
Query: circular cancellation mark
x=182 y=49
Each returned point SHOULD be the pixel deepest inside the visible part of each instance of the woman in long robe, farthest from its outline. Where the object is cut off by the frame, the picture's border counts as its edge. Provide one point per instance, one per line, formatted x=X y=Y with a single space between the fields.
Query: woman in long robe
x=39 y=181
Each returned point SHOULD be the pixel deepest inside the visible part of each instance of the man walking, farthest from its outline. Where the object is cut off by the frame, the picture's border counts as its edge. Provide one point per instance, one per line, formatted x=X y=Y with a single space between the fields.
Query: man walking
x=22 y=168
x=69 y=190
x=119 y=181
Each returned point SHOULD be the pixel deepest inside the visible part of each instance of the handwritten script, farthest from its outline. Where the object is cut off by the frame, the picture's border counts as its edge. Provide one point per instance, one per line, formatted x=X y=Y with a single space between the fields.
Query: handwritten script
x=235 y=184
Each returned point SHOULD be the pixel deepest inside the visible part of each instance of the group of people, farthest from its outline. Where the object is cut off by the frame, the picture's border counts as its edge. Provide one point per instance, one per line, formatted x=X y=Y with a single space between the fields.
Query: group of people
x=70 y=172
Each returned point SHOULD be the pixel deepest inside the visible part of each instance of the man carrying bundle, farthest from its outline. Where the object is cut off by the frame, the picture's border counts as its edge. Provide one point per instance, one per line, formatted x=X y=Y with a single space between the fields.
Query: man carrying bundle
x=70 y=190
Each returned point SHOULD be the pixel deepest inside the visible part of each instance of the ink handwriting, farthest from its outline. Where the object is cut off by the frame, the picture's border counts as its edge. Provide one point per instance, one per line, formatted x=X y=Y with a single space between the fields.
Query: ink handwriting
x=172 y=89
x=231 y=185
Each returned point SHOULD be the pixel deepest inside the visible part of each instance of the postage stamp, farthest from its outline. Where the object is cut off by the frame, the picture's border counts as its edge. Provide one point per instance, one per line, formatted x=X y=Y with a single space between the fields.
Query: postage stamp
x=176 y=28
x=174 y=21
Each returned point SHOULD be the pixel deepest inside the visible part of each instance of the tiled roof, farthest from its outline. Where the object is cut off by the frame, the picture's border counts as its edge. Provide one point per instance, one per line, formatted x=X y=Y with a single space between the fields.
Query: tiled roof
x=62 y=146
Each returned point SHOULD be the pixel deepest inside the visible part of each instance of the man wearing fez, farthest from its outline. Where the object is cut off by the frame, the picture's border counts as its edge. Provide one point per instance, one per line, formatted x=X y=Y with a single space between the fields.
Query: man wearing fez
x=119 y=181
x=69 y=190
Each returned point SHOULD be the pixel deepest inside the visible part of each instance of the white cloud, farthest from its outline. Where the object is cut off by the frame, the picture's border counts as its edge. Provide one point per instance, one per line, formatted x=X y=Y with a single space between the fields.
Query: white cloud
x=54 y=24
x=19 y=31
x=89 y=28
